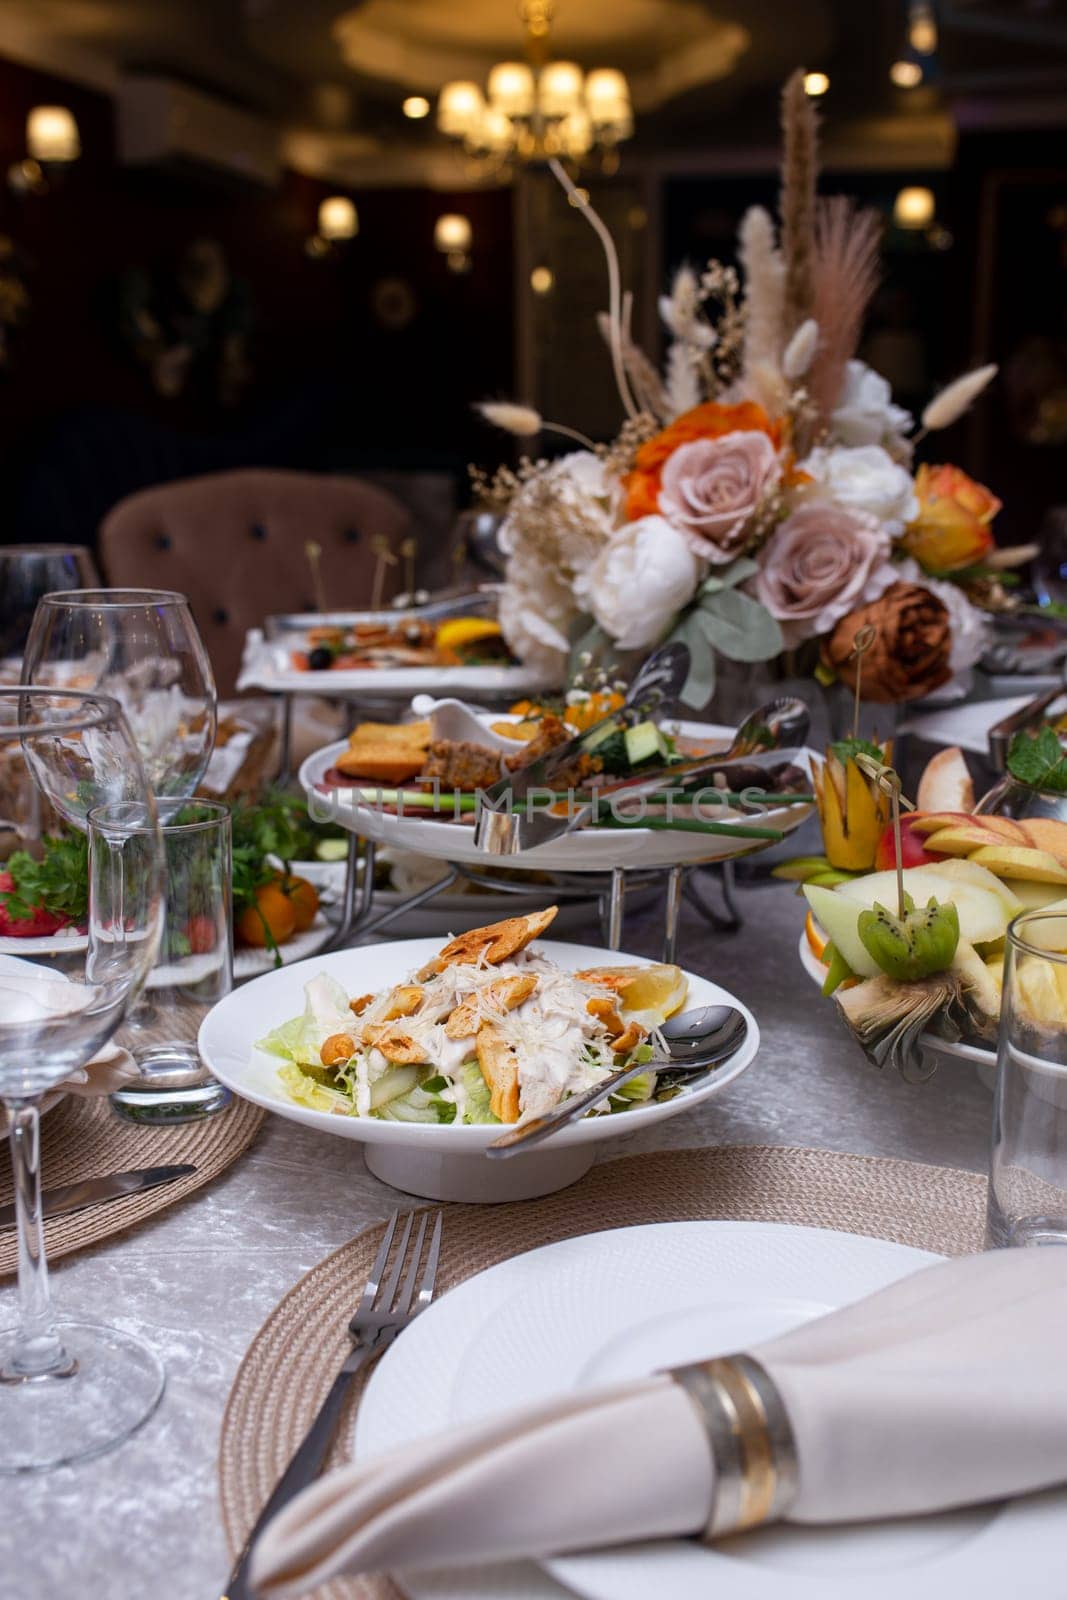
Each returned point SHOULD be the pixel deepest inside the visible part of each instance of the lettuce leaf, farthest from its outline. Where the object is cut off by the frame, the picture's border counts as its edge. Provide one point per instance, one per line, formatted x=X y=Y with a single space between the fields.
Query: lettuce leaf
x=476 y=1109
x=316 y=1096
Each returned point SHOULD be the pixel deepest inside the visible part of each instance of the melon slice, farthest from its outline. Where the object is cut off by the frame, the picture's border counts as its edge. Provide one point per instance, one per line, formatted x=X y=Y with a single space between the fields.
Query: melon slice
x=983 y=989
x=968 y=871
x=840 y=918
x=1033 y=896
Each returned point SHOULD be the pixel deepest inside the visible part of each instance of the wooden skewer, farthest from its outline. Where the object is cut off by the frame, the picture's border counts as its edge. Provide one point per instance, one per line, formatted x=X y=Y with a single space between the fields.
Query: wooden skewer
x=313 y=551
x=865 y=637
x=384 y=557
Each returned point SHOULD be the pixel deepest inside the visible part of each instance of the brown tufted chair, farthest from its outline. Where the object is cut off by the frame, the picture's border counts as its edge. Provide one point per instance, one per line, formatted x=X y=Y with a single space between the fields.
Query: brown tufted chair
x=234 y=543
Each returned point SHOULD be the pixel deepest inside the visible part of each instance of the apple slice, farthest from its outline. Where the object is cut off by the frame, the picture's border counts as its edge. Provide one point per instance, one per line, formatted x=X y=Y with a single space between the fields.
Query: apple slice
x=840 y=919
x=946 y=785
x=1045 y=833
x=959 y=871
x=1033 y=896
x=960 y=839
x=999 y=827
x=1018 y=861
x=982 y=912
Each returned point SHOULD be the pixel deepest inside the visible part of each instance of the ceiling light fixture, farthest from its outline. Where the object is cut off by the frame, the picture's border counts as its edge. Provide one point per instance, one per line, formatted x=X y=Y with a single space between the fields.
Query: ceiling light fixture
x=815 y=84
x=542 y=280
x=453 y=236
x=538 y=108
x=52 y=144
x=914 y=208
x=906 y=74
x=922 y=28
x=338 y=221
x=416 y=106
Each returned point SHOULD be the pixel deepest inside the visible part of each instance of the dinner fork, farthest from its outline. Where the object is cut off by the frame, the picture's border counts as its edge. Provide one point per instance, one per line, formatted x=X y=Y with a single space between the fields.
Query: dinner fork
x=386 y=1308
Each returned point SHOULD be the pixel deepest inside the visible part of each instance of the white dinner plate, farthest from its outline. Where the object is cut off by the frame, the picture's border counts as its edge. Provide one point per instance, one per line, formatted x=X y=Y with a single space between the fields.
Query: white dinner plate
x=65 y=941
x=588 y=850
x=436 y=1159
x=982 y=1056
x=268 y=668
x=606 y=1306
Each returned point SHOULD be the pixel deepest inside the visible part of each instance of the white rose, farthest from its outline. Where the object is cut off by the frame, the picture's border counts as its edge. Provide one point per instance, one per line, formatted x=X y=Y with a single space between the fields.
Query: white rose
x=573 y=501
x=865 y=478
x=536 y=609
x=865 y=412
x=640 y=581
x=971 y=630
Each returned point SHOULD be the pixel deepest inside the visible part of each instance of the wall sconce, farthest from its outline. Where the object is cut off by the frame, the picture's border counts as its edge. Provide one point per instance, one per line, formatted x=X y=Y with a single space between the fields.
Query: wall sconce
x=542 y=280
x=338 y=220
x=452 y=235
x=914 y=208
x=52 y=144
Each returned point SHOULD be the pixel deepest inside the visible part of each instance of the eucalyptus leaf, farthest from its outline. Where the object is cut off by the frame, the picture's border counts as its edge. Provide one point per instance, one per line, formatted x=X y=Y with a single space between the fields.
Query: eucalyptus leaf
x=700 y=684
x=738 y=571
x=738 y=626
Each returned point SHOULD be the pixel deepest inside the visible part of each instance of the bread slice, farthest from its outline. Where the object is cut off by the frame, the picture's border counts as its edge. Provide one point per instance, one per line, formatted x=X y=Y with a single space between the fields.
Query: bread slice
x=500 y=1071
x=406 y=733
x=381 y=763
x=496 y=942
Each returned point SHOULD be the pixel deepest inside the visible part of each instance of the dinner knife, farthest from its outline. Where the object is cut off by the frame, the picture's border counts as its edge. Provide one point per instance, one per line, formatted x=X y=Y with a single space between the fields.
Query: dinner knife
x=91 y=1191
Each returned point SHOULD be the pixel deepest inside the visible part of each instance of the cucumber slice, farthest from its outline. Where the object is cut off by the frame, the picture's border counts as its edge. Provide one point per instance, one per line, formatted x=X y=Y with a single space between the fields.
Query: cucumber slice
x=645 y=743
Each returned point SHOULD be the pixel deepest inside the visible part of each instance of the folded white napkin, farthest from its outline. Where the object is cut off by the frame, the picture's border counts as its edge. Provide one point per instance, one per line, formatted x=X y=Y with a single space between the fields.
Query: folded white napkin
x=30 y=991
x=945 y=1389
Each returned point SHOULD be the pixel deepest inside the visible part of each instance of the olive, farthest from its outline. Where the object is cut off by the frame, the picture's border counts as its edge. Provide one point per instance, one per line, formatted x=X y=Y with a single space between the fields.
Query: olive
x=320 y=658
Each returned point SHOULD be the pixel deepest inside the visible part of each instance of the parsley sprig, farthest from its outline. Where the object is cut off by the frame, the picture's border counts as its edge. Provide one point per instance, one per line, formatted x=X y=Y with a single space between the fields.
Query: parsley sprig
x=847 y=750
x=59 y=882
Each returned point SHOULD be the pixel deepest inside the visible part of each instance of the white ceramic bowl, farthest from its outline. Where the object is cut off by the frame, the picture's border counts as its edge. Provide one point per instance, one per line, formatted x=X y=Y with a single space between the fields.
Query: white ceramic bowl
x=438 y=1161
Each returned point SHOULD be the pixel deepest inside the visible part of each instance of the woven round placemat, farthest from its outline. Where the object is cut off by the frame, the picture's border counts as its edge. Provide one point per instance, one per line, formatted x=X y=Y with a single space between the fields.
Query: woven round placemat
x=83 y=1138
x=294 y=1356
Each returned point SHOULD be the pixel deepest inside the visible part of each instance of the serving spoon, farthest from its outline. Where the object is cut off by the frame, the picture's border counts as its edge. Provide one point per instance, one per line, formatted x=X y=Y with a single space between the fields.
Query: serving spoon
x=695 y=1040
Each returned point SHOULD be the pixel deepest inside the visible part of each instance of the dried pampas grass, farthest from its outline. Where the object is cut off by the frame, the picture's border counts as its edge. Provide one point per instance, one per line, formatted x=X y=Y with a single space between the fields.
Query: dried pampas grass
x=797 y=201
x=845 y=276
x=800 y=351
x=523 y=422
x=956 y=398
x=764 y=270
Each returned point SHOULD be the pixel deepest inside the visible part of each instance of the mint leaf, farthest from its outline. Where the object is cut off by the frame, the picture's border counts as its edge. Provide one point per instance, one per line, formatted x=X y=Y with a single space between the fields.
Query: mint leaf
x=1039 y=761
x=847 y=750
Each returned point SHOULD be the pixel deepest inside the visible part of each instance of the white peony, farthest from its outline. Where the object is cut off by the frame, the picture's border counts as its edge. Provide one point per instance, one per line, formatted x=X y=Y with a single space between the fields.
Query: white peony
x=865 y=478
x=971 y=630
x=535 y=611
x=640 y=581
x=865 y=412
x=576 y=496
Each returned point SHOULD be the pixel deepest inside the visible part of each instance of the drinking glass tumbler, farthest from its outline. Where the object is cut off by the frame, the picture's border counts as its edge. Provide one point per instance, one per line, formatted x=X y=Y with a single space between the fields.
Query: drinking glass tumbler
x=1028 y=1168
x=193 y=971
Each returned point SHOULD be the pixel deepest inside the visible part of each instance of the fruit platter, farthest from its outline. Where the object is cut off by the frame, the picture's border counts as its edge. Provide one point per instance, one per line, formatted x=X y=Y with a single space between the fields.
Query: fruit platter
x=382 y=653
x=416 y=785
x=907 y=914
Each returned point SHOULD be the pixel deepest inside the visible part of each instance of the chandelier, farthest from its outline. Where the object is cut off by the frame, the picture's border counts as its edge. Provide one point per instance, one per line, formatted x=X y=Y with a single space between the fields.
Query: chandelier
x=535 y=109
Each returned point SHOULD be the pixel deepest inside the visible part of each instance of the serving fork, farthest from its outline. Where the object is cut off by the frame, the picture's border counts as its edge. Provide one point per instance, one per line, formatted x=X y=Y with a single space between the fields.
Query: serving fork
x=390 y=1302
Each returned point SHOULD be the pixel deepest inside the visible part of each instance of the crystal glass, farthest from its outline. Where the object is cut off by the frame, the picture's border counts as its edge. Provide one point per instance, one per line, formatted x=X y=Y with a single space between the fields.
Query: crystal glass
x=194 y=968
x=141 y=646
x=69 y=1390
x=1028 y=1168
x=27 y=571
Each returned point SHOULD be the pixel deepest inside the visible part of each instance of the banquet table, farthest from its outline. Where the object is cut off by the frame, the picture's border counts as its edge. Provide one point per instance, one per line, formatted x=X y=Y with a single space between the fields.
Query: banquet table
x=197 y=1280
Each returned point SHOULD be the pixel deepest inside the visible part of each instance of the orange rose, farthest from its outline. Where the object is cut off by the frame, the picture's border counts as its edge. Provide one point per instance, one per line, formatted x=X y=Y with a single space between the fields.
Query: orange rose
x=707 y=421
x=952 y=529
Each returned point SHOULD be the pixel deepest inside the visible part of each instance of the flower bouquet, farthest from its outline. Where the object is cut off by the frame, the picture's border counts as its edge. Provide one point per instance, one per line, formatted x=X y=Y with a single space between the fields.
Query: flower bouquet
x=760 y=496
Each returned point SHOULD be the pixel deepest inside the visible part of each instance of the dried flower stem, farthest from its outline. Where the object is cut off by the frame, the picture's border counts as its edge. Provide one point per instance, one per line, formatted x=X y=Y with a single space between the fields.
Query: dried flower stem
x=614 y=283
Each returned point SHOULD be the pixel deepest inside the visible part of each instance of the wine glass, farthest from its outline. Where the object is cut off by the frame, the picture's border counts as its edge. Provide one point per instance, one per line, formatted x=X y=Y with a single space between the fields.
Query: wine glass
x=142 y=647
x=27 y=571
x=69 y=1390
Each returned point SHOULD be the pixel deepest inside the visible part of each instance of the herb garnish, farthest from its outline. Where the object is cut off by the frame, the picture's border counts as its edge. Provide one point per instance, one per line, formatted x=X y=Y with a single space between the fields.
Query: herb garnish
x=59 y=882
x=1039 y=761
x=847 y=750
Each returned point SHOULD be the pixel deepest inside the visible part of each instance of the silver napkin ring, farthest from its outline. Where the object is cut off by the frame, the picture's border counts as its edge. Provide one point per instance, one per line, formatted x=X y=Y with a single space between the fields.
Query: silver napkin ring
x=751 y=1439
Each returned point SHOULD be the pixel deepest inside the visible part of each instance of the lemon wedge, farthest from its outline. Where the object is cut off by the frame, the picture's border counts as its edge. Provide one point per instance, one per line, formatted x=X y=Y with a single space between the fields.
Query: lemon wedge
x=457 y=631
x=648 y=995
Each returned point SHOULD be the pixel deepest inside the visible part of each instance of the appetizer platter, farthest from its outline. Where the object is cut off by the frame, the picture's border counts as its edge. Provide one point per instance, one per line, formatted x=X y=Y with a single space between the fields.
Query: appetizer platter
x=414 y=786
x=382 y=653
x=422 y=1052
x=907 y=914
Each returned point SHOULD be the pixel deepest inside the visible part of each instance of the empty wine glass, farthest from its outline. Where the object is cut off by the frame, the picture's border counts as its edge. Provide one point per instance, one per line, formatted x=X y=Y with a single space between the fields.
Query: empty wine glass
x=142 y=647
x=69 y=1390
x=27 y=571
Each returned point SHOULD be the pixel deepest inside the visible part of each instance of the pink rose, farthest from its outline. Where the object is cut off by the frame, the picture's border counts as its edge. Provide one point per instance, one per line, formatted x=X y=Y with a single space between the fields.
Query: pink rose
x=821 y=563
x=711 y=487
